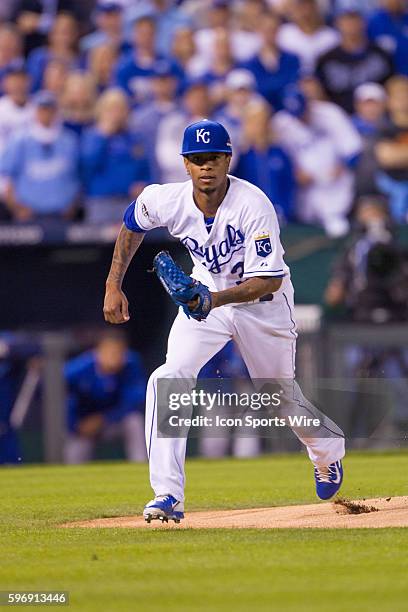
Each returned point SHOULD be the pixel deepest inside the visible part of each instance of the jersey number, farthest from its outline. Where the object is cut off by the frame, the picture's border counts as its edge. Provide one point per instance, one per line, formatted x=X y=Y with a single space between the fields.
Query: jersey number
x=239 y=269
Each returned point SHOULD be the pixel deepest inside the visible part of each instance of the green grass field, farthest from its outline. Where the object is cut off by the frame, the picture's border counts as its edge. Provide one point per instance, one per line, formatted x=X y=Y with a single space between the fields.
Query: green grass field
x=184 y=570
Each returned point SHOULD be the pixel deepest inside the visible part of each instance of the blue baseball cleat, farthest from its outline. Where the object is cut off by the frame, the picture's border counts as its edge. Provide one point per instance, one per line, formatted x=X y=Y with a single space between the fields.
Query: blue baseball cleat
x=164 y=508
x=328 y=479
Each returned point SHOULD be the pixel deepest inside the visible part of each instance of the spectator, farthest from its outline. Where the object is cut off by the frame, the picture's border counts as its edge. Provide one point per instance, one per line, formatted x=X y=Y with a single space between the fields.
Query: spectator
x=135 y=70
x=41 y=166
x=221 y=67
x=240 y=85
x=15 y=114
x=55 y=76
x=324 y=146
x=102 y=60
x=370 y=102
x=15 y=109
x=243 y=31
x=28 y=21
x=264 y=163
x=196 y=105
x=273 y=69
x=78 y=101
x=353 y=62
x=146 y=120
x=392 y=150
x=246 y=40
x=306 y=35
x=311 y=87
x=106 y=391
x=388 y=28
x=109 y=29
x=114 y=167
x=35 y=18
x=370 y=276
x=218 y=16
x=10 y=50
x=168 y=17
x=184 y=52
x=369 y=119
x=62 y=45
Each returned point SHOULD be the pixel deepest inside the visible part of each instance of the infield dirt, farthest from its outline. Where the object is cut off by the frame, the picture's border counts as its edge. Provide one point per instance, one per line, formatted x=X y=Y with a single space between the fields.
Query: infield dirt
x=340 y=514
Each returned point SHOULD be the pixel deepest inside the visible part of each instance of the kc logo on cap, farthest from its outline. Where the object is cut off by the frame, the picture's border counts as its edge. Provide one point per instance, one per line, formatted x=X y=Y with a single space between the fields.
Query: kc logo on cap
x=203 y=135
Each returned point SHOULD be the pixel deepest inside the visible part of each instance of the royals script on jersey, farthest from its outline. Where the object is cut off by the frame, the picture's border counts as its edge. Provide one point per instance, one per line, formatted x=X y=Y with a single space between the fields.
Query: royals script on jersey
x=244 y=238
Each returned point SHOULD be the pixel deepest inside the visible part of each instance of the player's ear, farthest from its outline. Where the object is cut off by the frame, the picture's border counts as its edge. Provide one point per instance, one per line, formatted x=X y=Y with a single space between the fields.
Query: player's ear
x=186 y=165
x=229 y=157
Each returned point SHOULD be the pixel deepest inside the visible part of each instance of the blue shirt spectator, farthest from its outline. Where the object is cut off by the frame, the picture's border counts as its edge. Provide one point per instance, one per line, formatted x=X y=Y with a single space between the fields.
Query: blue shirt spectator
x=112 y=164
x=271 y=82
x=389 y=29
x=114 y=395
x=108 y=18
x=41 y=165
x=115 y=168
x=168 y=19
x=145 y=120
x=106 y=392
x=272 y=171
x=63 y=41
x=135 y=69
x=273 y=68
x=263 y=162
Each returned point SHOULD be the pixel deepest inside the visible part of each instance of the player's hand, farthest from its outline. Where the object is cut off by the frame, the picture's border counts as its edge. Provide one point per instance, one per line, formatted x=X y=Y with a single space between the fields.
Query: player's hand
x=108 y=126
x=28 y=22
x=22 y=213
x=90 y=426
x=116 y=306
x=304 y=178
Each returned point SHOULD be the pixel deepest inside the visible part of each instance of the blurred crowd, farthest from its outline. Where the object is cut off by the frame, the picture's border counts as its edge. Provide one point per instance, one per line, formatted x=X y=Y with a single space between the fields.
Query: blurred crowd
x=95 y=97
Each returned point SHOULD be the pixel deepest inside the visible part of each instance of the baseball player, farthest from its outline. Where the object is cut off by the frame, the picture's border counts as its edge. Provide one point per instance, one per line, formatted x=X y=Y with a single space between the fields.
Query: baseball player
x=240 y=285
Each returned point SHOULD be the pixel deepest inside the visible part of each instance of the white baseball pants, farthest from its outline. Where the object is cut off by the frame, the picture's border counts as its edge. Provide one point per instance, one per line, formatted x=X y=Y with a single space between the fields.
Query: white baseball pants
x=266 y=337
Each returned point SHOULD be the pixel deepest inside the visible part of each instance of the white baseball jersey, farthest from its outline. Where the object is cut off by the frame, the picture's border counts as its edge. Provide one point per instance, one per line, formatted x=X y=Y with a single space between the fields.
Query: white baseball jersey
x=243 y=243
x=244 y=238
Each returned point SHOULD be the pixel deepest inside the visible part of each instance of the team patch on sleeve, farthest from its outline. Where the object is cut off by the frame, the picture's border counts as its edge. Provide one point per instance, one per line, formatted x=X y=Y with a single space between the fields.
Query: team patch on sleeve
x=144 y=210
x=263 y=244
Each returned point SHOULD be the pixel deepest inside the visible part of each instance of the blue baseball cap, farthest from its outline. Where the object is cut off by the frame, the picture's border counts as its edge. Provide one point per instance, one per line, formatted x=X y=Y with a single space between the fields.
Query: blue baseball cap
x=294 y=102
x=206 y=137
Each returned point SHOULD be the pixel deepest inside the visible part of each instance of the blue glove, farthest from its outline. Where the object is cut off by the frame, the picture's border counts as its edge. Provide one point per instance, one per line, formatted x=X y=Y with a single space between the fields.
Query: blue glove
x=181 y=287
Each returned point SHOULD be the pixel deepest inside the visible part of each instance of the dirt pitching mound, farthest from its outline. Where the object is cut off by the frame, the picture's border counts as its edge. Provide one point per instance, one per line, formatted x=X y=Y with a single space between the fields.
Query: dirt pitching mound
x=340 y=514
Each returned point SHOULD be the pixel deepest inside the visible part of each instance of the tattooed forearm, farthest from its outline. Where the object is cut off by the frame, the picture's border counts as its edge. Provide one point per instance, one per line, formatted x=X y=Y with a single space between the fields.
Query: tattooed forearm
x=126 y=246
